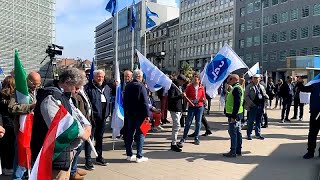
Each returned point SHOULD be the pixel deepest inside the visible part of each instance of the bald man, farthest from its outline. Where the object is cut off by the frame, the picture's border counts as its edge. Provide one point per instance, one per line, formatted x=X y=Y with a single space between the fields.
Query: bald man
x=34 y=83
x=234 y=112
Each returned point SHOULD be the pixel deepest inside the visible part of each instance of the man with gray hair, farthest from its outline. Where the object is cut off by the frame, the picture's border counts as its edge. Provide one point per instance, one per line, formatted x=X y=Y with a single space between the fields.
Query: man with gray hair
x=44 y=113
x=99 y=95
x=136 y=108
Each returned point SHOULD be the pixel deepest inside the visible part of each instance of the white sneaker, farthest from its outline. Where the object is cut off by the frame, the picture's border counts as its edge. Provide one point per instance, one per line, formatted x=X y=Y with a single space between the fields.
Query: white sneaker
x=142 y=159
x=131 y=158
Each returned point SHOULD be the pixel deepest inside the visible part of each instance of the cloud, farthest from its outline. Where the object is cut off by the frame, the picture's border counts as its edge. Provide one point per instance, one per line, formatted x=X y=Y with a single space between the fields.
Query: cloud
x=174 y=3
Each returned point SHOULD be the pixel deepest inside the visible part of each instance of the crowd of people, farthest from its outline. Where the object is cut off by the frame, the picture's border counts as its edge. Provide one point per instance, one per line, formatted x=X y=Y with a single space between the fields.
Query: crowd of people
x=185 y=100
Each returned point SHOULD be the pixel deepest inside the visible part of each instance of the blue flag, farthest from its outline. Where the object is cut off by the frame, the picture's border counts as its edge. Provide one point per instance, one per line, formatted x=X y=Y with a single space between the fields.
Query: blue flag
x=218 y=69
x=133 y=16
x=155 y=78
x=91 y=71
x=1 y=70
x=118 y=113
x=149 y=22
x=315 y=80
x=112 y=7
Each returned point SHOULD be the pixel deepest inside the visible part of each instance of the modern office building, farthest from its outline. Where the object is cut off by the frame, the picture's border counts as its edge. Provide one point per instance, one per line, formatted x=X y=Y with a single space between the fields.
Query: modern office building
x=283 y=28
x=29 y=26
x=106 y=55
x=205 y=26
x=162 y=42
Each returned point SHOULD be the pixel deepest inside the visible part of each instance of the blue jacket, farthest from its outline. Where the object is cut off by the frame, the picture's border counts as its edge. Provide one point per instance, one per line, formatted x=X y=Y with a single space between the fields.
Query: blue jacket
x=136 y=102
x=314 y=98
x=94 y=94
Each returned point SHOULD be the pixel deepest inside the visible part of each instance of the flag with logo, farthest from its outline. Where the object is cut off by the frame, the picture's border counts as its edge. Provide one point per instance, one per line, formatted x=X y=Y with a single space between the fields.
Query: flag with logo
x=255 y=69
x=218 y=69
x=315 y=80
x=112 y=7
x=155 y=78
x=63 y=130
x=118 y=113
x=133 y=16
x=26 y=120
x=149 y=22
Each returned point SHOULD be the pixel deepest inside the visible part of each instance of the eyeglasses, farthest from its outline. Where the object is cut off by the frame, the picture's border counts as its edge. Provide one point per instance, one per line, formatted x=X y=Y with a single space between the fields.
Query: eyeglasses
x=33 y=84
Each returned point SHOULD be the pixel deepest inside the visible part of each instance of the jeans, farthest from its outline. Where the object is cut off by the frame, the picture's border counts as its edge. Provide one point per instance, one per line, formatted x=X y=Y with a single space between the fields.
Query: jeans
x=197 y=113
x=134 y=131
x=18 y=171
x=286 y=108
x=98 y=136
x=296 y=105
x=74 y=165
x=255 y=116
x=235 y=136
x=175 y=126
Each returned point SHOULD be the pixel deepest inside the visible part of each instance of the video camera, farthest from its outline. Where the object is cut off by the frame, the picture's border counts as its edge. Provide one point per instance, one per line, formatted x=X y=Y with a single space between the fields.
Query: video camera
x=52 y=51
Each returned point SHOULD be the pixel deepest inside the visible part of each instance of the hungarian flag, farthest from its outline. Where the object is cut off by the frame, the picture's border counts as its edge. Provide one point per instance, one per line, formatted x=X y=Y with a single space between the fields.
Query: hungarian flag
x=25 y=121
x=64 y=129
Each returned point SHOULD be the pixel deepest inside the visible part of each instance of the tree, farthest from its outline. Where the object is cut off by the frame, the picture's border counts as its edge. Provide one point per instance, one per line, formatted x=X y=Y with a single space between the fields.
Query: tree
x=187 y=70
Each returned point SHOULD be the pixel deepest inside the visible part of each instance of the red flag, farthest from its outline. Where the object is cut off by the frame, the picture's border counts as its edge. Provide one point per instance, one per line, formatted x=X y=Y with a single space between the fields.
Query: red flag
x=24 y=139
x=145 y=127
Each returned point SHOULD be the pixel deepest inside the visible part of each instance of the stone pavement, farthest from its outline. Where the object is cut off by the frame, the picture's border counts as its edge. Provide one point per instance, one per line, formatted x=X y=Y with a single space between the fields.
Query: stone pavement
x=279 y=156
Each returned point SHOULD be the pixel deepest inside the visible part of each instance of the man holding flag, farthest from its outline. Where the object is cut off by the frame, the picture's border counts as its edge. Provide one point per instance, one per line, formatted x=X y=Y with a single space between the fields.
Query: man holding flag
x=314 y=87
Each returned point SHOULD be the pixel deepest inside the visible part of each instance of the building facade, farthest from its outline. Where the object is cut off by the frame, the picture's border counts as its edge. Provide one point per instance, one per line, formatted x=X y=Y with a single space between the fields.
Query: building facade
x=29 y=26
x=104 y=47
x=162 y=41
x=205 y=26
x=165 y=13
x=283 y=28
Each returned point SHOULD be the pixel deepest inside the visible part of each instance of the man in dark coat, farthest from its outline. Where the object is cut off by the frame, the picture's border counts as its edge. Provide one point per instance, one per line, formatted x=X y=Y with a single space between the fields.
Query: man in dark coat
x=136 y=108
x=286 y=92
x=297 y=89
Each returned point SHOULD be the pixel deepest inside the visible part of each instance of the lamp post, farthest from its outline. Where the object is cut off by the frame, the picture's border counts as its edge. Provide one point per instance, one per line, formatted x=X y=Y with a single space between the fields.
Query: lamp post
x=261 y=63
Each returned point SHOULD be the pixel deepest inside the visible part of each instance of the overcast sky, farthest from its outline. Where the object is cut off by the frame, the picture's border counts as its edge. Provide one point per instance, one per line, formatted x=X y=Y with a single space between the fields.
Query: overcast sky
x=76 y=21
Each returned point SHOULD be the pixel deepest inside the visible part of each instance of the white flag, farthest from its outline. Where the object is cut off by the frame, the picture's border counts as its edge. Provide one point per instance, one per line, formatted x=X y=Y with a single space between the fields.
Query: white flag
x=254 y=70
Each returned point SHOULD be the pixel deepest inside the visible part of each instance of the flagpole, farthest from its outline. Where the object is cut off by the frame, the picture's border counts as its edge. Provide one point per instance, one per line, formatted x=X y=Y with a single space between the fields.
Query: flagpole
x=145 y=32
x=132 y=49
x=116 y=57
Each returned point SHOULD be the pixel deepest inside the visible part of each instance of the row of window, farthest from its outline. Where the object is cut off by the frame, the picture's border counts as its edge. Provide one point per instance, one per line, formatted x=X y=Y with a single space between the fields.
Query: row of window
x=222 y=17
x=208 y=35
x=281 y=55
x=203 y=49
x=281 y=36
x=185 y=4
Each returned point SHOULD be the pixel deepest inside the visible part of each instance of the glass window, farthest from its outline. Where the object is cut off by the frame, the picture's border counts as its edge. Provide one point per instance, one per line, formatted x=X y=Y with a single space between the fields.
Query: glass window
x=248 y=58
x=293 y=34
x=283 y=36
x=265 y=57
x=241 y=43
x=273 y=56
x=282 y=55
x=316 y=9
x=241 y=28
x=294 y=14
x=303 y=51
x=265 y=3
x=283 y=1
x=292 y=52
x=266 y=21
x=249 y=41
x=274 y=2
x=316 y=50
x=256 y=57
x=242 y=12
x=249 y=25
x=284 y=17
x=274 y=19
x=257 y=5
x=249 y=8
x=257 y=23
x=316 y=31
x=304 y=32
x=305 y=11
x=256 y=40
x=274 y=38
x=265 y=38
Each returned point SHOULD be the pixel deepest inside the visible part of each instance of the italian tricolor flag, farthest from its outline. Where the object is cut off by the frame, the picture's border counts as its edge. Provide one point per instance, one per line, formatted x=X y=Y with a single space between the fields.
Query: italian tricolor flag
x=63 y=130
x=25 y=121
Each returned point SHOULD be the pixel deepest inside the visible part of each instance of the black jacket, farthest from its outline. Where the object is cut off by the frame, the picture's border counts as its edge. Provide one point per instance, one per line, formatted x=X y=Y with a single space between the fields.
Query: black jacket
x=94 y=94
x=136 y=102
x=40 y=129
x=297 y=89
x=284 y=91
x=174 y=99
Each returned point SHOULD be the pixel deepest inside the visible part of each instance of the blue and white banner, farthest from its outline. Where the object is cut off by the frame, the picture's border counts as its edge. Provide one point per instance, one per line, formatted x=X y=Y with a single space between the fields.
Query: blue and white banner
x=314 y=80
x=155 y=78
x=254 y=70
x=118 y=113
x=225 y=62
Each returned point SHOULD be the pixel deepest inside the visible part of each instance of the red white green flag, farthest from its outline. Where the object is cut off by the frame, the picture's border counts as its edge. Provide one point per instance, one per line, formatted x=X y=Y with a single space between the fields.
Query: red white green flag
x=26 y=120
x=64 y=129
